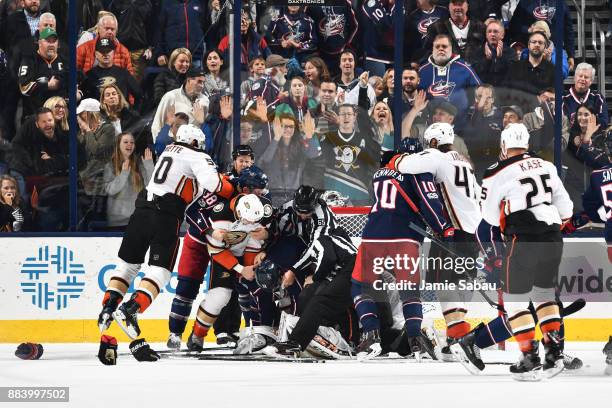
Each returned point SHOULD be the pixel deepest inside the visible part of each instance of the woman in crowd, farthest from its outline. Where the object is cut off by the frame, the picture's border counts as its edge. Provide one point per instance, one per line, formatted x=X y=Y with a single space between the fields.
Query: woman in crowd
x=298 y=101
x=377 y=83
x=97 y=141
x=381 y=116
x=387 y=80
x=14 y=215
x=116 y=110
x=315 y=71
x=124 y=177
x=59 y=108
x=214 y=81
x=285 y=157
x=174 y=76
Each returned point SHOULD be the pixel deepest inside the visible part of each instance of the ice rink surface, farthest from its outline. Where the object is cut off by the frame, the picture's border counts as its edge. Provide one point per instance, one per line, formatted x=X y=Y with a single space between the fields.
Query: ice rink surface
x=174 y=382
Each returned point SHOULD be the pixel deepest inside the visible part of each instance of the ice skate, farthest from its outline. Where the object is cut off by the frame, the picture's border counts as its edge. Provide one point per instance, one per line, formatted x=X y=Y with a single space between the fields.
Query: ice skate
x=195 y=343
x=105 y=318
x=254 y=339
x=529 y=367
x=174 y=341
x=127 y=318
x=607 y=350
x=421 y=345
x=553 y=358
x=369 y=346
x=468 y=353
x=282 y=349
x=227 y=339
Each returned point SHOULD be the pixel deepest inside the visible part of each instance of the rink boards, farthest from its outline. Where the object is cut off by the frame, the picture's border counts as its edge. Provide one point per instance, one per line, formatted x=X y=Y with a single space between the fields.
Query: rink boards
x=51 y=290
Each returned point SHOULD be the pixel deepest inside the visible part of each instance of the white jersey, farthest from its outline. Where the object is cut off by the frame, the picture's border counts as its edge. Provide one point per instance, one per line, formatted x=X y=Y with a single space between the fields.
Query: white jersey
x=184 y=171
x=524 y=182
x=458 y=186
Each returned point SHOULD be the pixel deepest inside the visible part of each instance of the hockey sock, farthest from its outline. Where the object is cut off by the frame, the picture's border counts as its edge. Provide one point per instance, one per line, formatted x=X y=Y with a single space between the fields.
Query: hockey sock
x=495 y=331
x=523 y=329
x=549 y=318
x=186 y=292
x=413 y=314
x=365 y=307
x=143 y=298
x=203 y=323
x=456 y=326
x=112 y=299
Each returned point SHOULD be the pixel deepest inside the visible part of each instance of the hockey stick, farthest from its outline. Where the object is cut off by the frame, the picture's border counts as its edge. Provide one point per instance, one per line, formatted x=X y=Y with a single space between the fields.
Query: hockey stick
x=258 y=358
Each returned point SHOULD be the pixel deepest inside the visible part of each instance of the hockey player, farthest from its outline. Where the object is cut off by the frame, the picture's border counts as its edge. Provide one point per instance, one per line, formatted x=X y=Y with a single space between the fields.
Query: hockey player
x=195 y=258
x=182 y=173
x=524 y=197
x=400 y=200
x=229 y=238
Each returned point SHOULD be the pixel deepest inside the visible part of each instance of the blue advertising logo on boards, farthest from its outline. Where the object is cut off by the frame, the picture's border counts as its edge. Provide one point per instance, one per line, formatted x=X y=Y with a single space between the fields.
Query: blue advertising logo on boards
x=52 y=277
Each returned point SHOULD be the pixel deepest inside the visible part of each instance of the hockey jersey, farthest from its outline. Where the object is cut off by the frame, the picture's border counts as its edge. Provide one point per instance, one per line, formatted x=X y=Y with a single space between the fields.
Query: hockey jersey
x=417 y=23
x=600 y=193
x=455 y=177
x=524 y=194
x=336 y=26
x=449 y=82
x=572 y=101
x=298 y=27
x=391 y=214
x=377 y=22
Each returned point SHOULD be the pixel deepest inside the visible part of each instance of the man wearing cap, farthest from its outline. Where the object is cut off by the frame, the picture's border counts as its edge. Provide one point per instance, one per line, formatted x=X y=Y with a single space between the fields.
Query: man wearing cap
x=107 y=28
x=107 y=73
x=188 y=99
x=270 y=85
x=446 y=112
x=42 y=75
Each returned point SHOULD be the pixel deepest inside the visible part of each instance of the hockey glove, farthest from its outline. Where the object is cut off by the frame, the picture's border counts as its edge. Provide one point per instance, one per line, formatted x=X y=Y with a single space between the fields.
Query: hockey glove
x=29 y=351
x=107 y=354
x=493 y=269
x=448 y=234
x=142 y=351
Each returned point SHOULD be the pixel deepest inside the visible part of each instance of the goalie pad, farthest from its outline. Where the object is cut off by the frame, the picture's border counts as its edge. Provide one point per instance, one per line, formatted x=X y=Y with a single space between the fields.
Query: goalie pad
x=253 y=340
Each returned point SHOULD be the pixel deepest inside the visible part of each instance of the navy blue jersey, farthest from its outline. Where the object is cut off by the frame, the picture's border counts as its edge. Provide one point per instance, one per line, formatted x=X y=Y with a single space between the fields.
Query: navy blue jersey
x=599 y=194
x=197 y=215
x=419 y=20
x=391 y=215
x=376 y=19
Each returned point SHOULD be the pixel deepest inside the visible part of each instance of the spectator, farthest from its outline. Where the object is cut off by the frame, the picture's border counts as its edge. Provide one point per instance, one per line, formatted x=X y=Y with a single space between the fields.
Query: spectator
x=511 y=114
x=253 y=44
x=414 y=122
x=466 y=35
x=337 y=26
x=20 y=26
x=298 y=102
x=285 y=158
x=214 y=81
x=97 y=140
x=382 y=117
x=106 y=72
x=14 y=215
x=376 y=18
x=216 y=23
x=29 y=45
x=136 y=30
x=410 y=86
x=40 y=148
x=217 y=128
x=388 y=85
x=257 y=69
x=107 y=29
x=446 y=112
x=271 y=85
x=188 y=99
x=326 y=114
x=167 y=134
x=43 y=74
x=315 y=71
x=377 y=83
x=580 y=93
x=484 y=129
x=550 y=52
x=125 y=176
x=529 y=11
x=115 y=109
x=92 y=33
x=349 y=157
x=181 y=25
x=418 y=21
x=173 y=76
x=58 y=106
x=292 y=34
x=541 y=122
x=448 y=77
x=349 y=84
x=534 y=74
x=492 y=59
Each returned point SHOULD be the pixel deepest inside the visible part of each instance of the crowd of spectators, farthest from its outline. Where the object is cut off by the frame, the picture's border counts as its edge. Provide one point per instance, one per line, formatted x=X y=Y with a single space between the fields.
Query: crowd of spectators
x=316 y=93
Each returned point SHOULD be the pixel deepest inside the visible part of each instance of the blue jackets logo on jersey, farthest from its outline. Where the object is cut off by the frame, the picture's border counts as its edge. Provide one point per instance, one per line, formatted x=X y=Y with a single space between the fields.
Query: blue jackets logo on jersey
x=424 y=24
x=544 y=13
x=441 y=89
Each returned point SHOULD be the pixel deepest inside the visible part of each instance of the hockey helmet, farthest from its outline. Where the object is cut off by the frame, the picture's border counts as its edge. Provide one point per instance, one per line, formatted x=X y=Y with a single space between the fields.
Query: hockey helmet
x=249 y=208
x=442 y=132
x=267 y=275
x=514 y=136
x=243 y=150
x=188 y=133
x=305 y=199
x=253 y=177
x=410 y=145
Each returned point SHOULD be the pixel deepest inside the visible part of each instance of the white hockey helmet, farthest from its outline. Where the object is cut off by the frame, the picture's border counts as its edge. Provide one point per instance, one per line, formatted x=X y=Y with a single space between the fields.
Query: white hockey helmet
x=514 y=136
x=249 y=208
x=442 y=132
x=188 y=133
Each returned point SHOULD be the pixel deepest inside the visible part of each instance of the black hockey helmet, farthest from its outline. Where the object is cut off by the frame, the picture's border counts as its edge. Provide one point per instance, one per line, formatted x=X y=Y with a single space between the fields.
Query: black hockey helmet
x=305 y=199
x=243 y=150
x=267 y=275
